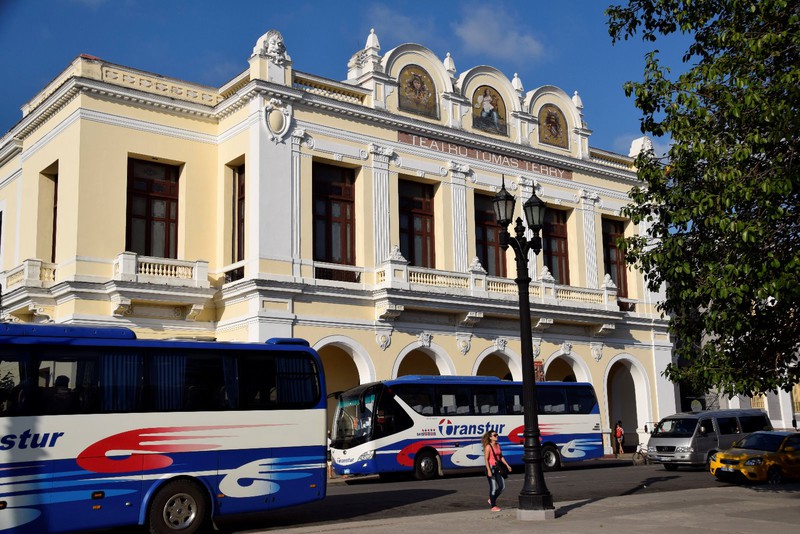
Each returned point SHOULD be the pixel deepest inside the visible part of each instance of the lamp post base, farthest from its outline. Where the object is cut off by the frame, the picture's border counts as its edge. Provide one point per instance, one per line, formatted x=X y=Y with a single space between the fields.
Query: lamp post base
x=536 y=508
x=535 y=515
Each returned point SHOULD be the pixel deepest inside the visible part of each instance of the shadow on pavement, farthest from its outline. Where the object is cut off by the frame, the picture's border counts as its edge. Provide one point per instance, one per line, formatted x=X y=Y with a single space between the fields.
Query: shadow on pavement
x=646 y=483
x=565 y=510
x=332 y=508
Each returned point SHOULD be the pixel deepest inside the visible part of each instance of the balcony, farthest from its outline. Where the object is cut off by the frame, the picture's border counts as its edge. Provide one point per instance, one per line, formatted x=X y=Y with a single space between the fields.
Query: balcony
x=26 y=292
x=398 y=286
x=131 y=267
x=32 y=274
x=161 y=288
x=476 y=283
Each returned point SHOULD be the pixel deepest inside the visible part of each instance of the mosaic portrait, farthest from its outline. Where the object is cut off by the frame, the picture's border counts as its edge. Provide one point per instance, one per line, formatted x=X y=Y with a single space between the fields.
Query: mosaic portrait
x=553 y=126
x=417 y=93
x=489 y=111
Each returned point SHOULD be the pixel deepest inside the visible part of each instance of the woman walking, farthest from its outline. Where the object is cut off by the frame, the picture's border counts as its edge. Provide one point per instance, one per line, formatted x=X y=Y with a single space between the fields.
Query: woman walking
x=493 y=456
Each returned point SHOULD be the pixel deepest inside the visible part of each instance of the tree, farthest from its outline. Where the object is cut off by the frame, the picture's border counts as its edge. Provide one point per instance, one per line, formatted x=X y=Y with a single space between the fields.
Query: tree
x=722 y=207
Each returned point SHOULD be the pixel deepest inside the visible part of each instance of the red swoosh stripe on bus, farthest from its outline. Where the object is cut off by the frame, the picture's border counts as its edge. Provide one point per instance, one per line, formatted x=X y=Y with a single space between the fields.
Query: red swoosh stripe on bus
x=515 y=436
x=141 y=444
x=404 y=456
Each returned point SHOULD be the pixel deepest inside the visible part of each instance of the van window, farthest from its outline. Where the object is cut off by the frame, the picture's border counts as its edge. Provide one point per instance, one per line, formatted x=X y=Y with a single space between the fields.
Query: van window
x=754 y=423
x=707 y=425
x=727 y=425
x=675 y=428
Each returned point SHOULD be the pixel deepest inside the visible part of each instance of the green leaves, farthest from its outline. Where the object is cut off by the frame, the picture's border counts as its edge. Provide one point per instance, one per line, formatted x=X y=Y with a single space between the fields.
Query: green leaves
x=725 y=212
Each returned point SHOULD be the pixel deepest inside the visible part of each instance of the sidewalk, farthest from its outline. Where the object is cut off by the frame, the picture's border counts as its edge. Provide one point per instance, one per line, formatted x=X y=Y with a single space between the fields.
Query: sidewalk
x=729 y=509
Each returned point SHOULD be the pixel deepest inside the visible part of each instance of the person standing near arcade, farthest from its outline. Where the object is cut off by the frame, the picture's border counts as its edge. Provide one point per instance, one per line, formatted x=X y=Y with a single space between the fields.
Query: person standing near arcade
x=619 y=438
x=493 y=456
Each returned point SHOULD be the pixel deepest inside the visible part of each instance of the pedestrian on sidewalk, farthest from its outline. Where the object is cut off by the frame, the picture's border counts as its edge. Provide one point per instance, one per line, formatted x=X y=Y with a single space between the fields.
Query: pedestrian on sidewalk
x=496 y=465
x=619 y=438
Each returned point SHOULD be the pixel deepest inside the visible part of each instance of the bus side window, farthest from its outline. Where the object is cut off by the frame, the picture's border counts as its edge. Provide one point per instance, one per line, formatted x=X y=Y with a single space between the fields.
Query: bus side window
x=580 y=399
x=60 y=399
x=551 y=399
x=484 y=400
x=513 y=401
x=419 y=397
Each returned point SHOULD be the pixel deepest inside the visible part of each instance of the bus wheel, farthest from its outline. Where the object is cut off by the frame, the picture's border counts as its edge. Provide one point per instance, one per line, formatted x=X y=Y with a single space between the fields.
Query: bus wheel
x=550 y=458
x=425 y=465
x=179 y=506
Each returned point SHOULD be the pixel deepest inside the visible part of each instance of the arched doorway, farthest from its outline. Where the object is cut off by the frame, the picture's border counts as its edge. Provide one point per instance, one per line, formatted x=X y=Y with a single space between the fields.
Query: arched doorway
x=341 y=373
x=417 y=362
x=626 y=391
x=494 y=365
x=560 y=370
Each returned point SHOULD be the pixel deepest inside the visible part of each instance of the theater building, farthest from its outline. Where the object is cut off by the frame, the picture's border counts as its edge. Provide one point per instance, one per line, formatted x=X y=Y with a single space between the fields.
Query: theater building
x=354 y=214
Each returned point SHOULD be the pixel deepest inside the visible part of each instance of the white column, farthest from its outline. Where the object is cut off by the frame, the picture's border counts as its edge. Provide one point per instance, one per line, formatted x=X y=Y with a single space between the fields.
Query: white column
x=785 y=410
x=588 y=202
x=666 y=391
x=380 y=201
x=458 y=184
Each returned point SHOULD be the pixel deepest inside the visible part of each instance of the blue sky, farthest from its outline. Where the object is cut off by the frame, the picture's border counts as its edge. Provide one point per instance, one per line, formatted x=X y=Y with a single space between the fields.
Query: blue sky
x=565 y=44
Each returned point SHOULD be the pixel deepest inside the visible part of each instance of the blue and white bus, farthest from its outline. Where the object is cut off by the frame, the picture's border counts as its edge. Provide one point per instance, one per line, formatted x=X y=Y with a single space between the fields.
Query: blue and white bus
x=98 y=429
x=427 y=424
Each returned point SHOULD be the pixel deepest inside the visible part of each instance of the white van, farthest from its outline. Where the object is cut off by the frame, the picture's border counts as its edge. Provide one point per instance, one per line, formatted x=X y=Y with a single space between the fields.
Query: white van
x=690 y=438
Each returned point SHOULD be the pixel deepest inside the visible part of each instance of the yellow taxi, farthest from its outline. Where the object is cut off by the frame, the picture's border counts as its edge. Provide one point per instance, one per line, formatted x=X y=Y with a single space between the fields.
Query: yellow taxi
x=759 y=457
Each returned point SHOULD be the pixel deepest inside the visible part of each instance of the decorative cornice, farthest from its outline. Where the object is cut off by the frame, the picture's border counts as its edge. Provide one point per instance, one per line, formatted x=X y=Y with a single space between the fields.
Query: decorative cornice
x=462 y=137
x=74 y=86
x=9 y=150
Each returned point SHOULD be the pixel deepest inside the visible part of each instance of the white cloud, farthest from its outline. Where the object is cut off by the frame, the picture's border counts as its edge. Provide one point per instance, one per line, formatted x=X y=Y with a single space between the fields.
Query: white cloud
x=395 y=27
x=492 y=33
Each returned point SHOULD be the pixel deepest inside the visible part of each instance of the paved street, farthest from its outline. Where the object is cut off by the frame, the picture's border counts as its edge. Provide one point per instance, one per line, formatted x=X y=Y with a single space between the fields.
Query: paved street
x=590 y=497
x=723 y=509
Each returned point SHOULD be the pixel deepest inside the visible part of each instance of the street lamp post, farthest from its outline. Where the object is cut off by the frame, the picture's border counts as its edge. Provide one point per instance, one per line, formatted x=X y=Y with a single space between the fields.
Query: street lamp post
x=535 y=501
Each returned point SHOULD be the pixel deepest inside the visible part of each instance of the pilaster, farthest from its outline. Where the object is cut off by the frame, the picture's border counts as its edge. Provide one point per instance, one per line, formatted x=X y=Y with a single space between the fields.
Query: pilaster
x=588 y=200
x=380 y=201
x=458 y=182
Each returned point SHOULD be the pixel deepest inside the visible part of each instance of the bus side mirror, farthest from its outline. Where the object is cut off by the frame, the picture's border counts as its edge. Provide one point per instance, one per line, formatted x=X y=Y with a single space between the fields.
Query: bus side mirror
x=645 y=430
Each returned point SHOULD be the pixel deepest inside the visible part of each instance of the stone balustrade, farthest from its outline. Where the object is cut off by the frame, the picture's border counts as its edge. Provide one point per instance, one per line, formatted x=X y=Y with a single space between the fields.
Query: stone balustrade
x=131 y=267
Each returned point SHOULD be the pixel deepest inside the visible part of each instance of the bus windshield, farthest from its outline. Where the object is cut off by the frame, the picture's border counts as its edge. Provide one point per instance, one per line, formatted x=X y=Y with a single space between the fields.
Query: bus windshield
x=352 y=422
x=675 y=428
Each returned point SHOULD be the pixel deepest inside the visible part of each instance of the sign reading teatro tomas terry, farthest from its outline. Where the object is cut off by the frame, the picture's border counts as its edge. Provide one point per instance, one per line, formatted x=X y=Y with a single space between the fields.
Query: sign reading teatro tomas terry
x=483 y=155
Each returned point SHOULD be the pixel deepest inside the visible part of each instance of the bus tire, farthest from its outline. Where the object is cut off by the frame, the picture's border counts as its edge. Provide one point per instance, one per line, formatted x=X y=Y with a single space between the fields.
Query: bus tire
x=426 y=465
x=179 y=506
x=550 y=458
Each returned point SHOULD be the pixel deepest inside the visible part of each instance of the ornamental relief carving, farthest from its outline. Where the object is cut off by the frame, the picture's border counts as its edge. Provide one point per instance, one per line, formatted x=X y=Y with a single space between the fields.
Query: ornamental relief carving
x=278 y=118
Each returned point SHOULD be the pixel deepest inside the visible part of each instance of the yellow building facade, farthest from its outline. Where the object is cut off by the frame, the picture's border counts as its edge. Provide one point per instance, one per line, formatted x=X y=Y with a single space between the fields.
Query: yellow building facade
x=354 y=214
